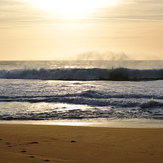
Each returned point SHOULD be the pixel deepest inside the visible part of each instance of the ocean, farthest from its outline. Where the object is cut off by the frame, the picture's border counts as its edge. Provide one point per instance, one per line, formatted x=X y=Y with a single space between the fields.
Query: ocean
x=100 y=93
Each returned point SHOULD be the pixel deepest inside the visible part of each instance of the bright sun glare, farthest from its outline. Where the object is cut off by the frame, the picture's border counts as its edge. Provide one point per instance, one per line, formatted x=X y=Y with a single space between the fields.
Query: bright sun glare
x=72 y=7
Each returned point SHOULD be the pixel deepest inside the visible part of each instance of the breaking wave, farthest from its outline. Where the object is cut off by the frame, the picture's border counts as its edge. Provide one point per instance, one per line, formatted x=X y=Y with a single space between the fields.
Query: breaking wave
x=92 y=98
x=118 y=74
x=151 y=109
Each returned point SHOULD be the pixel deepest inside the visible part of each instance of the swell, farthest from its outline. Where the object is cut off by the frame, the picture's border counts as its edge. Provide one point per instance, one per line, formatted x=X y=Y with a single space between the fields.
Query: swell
x=118 y=74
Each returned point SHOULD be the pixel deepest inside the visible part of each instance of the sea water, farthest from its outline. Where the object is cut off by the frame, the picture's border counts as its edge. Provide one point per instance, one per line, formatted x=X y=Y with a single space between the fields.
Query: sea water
x=99 y=93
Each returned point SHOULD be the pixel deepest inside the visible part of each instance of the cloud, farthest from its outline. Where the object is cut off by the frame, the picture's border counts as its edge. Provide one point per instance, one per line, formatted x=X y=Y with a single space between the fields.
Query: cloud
x=142 y=1
x=143 y=10
x=149 y=1
x=18 y=13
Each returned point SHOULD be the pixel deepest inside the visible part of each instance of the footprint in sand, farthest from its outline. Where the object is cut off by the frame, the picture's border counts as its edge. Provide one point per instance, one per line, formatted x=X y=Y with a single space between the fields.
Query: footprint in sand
x=23 y=151
x=73 y=141
x=8 y=143
x=35 y=142
x=32 y=156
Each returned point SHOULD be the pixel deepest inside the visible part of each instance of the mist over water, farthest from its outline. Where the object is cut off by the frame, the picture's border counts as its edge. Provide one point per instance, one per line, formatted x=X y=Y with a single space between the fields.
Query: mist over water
x=68 y=64
x=83 y=70
x=113 y=56
x=105 y=56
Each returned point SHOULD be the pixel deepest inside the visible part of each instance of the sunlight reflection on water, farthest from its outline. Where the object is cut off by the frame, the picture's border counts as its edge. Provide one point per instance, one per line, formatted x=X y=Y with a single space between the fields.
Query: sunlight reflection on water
x=126 y=123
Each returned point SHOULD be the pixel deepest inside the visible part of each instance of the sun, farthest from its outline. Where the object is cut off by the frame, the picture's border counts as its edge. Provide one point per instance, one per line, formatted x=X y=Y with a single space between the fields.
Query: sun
x=71 y=7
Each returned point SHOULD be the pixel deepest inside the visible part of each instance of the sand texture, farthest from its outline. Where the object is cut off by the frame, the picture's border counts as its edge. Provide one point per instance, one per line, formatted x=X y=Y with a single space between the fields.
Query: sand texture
x=38 y=143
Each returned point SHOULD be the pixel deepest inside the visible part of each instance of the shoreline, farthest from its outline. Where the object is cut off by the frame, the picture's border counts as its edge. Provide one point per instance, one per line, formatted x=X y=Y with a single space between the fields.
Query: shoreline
x=53 y=143
x=101 y=122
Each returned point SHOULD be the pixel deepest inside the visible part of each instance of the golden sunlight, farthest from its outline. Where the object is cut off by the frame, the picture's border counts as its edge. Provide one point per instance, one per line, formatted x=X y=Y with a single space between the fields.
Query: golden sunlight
x=71 y=7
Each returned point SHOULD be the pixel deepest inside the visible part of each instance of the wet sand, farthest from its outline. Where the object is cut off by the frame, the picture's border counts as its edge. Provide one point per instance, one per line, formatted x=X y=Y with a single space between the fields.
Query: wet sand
x=43 y=143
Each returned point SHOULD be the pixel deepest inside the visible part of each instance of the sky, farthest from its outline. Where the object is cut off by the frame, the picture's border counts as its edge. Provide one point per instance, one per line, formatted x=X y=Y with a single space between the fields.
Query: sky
x=68 y=29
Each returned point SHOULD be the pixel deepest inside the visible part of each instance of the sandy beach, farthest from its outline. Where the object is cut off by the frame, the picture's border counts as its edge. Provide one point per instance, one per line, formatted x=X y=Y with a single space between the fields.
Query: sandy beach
x=45 y=143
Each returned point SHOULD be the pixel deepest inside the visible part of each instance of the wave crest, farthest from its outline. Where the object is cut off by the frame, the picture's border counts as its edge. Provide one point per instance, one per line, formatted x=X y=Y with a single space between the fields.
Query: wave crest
x=118 y=74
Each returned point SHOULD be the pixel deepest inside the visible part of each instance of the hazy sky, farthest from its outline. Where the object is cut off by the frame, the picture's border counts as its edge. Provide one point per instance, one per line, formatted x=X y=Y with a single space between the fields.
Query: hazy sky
x=60 y=29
